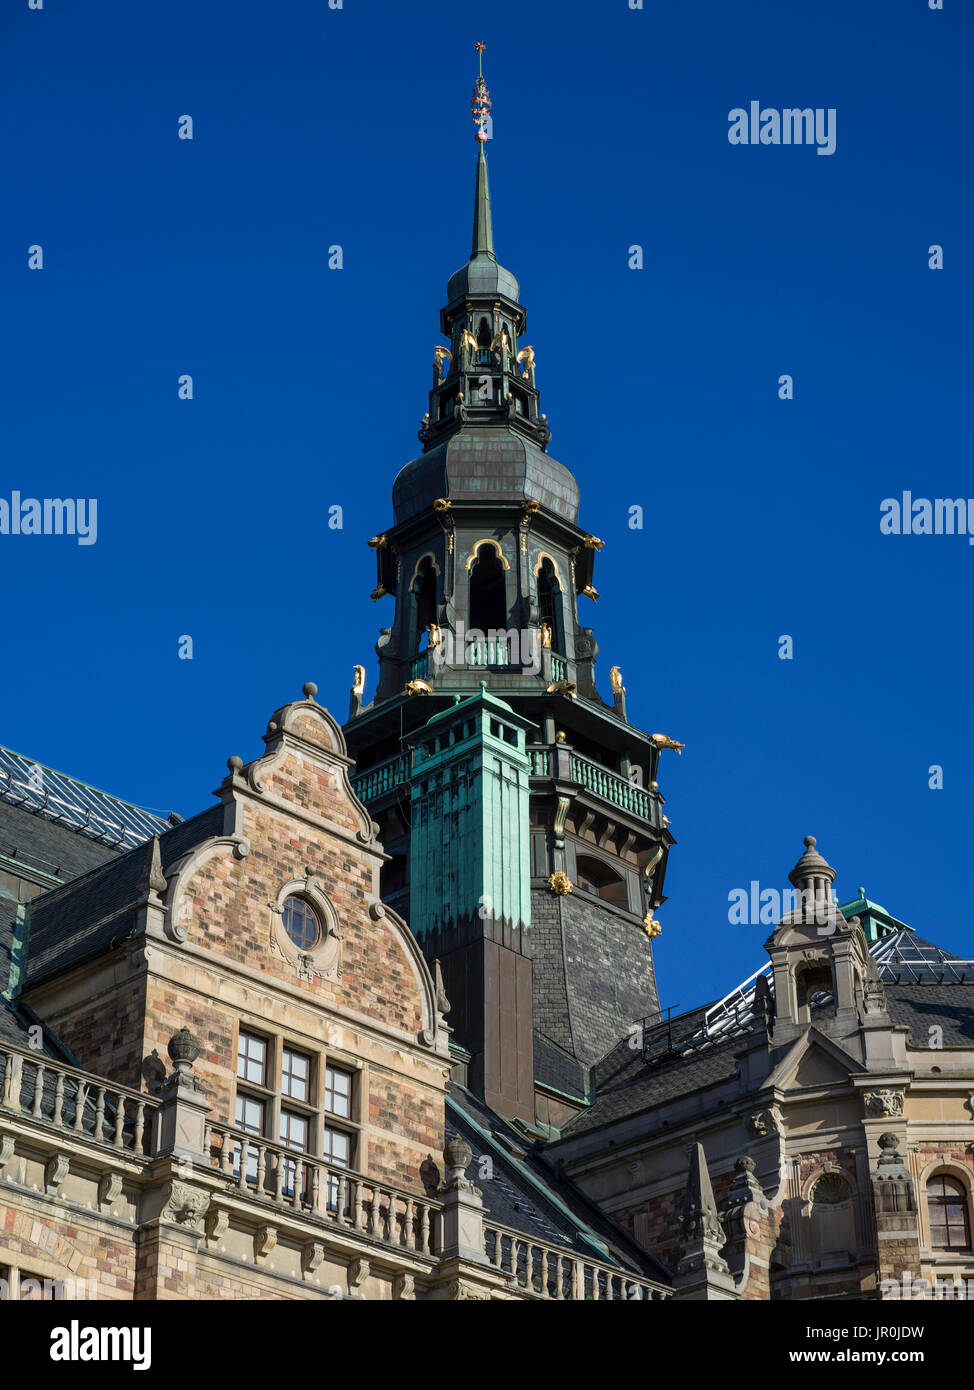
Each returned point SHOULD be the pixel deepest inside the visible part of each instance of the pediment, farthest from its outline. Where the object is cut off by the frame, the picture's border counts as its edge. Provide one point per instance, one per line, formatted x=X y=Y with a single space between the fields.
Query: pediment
x=813 y=1060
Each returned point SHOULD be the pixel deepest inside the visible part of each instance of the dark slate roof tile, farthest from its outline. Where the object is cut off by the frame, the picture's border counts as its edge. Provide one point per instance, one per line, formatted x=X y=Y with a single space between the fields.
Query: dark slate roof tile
x=922 y=1007
x=550 y=1208
x=96 y=912
x=555 y=1067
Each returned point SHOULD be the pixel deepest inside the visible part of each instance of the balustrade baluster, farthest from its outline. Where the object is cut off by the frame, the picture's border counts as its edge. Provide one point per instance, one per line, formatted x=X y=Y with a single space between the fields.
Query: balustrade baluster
x=80 y=1095
x=357 y=1205
x=118 y=1139
x=100 y=1114
x=407 y=1223
x=137 y=1139
x=38 y=1092
x=424 y=1229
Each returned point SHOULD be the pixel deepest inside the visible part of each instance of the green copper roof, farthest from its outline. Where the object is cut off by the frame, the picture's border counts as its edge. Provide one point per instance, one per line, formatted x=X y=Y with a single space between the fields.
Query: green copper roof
x=876 y=921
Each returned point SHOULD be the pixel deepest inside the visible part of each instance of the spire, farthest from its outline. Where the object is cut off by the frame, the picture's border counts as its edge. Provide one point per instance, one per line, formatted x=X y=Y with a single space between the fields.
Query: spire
x=702 y=1235
x=483 y=231
x=482 y=277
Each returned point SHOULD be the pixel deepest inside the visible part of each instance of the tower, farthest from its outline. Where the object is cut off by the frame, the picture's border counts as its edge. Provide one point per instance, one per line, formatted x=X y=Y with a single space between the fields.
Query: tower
x=521 y=811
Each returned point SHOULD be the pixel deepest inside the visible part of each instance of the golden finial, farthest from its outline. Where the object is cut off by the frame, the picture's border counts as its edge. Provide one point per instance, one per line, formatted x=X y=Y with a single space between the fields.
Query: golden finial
x=480 y=101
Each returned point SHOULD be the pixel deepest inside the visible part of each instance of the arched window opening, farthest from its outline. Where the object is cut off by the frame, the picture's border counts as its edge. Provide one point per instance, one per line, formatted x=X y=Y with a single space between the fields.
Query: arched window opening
x=950 y=1225
x=488 y=599
x=484 y=334
x=597 y=878
x=832 y=1217
x=812 y=980
x=550 y=605
x=424 y=592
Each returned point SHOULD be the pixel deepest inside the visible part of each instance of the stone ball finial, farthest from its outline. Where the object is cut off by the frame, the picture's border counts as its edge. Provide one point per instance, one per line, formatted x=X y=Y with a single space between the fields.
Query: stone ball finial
x=183 y=1049
x=809 y=842
x=309 y=690
x=235 y=763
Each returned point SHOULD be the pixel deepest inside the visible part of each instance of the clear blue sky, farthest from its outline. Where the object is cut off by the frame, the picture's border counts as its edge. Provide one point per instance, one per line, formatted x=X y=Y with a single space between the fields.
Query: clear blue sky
x=209 y=257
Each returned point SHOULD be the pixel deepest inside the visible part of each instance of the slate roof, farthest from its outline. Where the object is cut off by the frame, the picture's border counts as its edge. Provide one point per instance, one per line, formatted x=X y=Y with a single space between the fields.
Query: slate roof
x=54 y=849
x=48 y=846
x=625 y=1083
x=526 y=1192
x=925 y=986
x=555 y=1067
x=921 y=1007
x=95 y=912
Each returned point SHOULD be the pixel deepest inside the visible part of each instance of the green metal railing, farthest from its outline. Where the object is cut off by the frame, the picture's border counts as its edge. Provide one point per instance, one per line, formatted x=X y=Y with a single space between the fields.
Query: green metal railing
x=559 y=668
x=540 y=762
x=376 y=781
x=488 y=653
x=419 y=668
x=612 y=787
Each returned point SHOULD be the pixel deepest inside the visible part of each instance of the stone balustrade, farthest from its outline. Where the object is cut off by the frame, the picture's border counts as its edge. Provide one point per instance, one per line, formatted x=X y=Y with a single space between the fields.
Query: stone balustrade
x=291 y=1179
x=74 y=1102
x=547 y=1272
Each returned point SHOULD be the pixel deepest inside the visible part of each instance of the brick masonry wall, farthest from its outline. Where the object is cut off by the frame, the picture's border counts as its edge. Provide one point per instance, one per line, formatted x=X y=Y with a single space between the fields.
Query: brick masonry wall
x=67 y=1246
x=105 y=1032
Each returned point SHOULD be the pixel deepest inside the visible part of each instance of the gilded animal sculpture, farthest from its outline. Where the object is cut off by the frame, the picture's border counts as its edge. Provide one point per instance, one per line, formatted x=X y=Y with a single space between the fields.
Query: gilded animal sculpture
x=664 y=741
x=615 y=676
x=567 y=688
x=418 y=687
x=358 y=680
x=526 y=355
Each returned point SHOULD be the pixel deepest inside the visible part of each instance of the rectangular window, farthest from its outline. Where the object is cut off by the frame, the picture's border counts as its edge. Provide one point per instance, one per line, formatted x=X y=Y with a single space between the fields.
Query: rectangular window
x=338 y=1151
x=295 y=1074
x=294 y=1135
x=294 y=1130
x=250 y=1114
x=251 y=1058
x=338 y=1147
x=338 y=1092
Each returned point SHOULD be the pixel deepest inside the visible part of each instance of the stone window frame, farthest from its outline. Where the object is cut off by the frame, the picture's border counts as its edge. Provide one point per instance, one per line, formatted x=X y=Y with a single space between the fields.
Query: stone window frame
x=275 y=1100
x=949 y=1168
x=325 y=957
